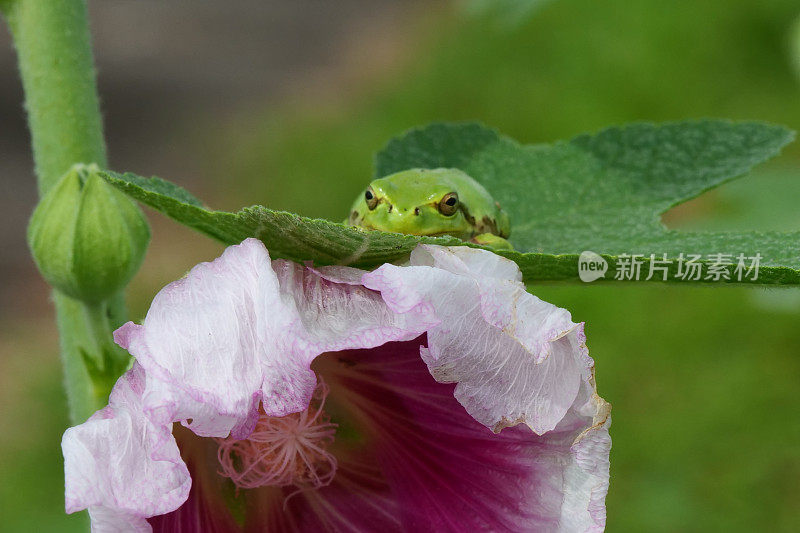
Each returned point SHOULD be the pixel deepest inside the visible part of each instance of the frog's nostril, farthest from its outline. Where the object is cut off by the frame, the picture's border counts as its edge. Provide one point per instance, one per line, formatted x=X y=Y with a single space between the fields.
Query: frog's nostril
x=416 y=211
x=391 y=207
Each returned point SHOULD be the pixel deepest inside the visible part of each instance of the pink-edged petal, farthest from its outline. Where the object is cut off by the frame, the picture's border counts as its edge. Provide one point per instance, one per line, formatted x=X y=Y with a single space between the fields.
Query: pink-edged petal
x=515 y=358
x=242 y=330
x=200 y=341
x=121 y=466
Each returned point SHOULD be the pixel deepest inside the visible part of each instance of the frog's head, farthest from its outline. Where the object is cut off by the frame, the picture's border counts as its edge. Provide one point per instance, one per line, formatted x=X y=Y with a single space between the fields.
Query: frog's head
x=423 y=202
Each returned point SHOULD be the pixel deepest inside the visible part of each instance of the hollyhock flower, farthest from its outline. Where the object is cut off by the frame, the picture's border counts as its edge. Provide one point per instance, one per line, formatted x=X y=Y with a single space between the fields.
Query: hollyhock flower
x=434 y=396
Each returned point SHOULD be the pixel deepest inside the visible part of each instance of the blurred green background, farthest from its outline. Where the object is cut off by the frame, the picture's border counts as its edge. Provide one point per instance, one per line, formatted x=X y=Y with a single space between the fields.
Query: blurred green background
x=705 y=383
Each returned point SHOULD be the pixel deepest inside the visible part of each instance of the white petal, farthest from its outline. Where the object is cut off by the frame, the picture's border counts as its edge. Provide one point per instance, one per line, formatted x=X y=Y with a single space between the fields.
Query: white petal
x=121 y=465
x=243 y=330
x=200 y=340
x=105 y=520
x=586 y=479
x=516 y=359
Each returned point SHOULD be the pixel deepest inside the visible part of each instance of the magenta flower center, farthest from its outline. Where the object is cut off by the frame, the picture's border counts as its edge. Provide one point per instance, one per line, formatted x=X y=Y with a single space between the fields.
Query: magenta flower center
x=284 y=451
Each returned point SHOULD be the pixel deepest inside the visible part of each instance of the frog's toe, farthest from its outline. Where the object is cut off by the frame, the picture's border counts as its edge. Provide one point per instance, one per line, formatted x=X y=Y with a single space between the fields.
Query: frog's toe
x=489 y=239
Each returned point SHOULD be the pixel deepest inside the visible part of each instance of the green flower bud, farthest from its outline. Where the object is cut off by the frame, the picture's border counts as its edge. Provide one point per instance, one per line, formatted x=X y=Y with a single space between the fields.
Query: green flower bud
x=87 y=238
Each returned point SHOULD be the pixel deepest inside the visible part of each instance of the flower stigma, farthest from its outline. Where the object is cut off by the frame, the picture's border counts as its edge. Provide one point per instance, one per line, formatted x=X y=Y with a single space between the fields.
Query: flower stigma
x=284 y=451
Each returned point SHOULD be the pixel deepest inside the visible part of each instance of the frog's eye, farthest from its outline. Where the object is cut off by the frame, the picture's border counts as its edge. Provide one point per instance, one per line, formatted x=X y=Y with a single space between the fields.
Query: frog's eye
x=372 y=200
x=448 y=205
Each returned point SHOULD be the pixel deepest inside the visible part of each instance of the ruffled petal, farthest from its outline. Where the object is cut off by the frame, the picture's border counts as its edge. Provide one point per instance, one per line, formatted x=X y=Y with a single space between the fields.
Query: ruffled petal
x=122 y=466
x=586 y=476
x=586 y=480
x=515 y=358
x=200 y=341
x=242 y=330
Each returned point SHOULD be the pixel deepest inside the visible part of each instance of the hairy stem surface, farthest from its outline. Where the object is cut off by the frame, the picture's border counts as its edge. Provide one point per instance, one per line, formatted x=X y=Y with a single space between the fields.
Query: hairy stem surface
x=56 y=66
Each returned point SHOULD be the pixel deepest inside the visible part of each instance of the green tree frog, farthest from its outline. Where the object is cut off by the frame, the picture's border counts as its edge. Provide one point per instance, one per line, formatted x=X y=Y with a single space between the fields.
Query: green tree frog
x=432 y=202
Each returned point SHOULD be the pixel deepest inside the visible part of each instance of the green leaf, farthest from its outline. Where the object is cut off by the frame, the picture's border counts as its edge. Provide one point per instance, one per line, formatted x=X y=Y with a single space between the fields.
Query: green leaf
x=286 y=235
x=603 y=193
x=606 y=192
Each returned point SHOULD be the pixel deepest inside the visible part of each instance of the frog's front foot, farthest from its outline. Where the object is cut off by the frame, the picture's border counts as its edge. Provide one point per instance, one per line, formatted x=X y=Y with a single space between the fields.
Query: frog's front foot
x=489 y=239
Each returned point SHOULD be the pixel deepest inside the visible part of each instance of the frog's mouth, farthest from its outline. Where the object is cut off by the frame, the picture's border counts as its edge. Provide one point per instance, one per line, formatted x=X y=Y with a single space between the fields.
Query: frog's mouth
x=420 y=234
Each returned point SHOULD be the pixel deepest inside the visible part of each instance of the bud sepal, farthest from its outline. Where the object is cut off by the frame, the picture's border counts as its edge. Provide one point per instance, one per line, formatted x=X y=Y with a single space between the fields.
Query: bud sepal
x=87 y=238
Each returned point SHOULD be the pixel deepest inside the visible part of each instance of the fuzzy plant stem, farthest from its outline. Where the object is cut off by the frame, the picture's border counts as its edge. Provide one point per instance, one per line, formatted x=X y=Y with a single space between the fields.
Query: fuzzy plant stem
x=56 y=66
